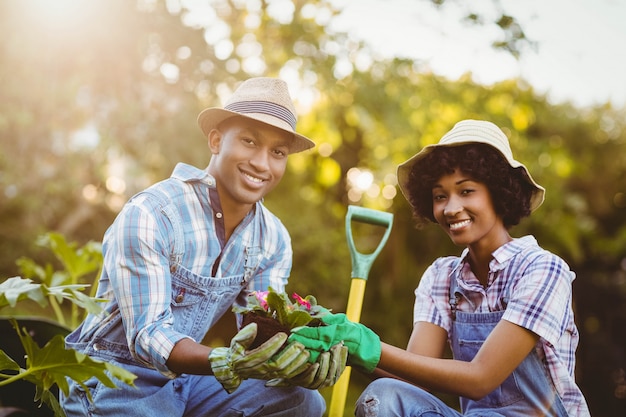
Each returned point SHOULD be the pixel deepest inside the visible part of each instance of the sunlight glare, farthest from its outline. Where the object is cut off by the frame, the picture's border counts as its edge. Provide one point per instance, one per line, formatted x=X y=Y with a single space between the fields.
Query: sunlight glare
x=360 y=179
x=116 y=185
x=56 y=13
x=90 y=193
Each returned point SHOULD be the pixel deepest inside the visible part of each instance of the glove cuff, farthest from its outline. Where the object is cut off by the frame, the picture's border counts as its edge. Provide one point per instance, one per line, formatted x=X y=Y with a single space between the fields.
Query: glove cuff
x=369 y=352
x=219 y=358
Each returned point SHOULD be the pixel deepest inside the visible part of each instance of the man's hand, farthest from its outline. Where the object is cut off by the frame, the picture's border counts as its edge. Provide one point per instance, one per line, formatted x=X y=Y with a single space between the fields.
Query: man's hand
x=234 y=364
x=363 y=344
x=323 y=373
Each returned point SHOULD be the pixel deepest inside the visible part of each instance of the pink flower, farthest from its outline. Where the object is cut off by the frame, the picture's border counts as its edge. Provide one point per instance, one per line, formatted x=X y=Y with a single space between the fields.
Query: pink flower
x=301 y=301
x=262 y=297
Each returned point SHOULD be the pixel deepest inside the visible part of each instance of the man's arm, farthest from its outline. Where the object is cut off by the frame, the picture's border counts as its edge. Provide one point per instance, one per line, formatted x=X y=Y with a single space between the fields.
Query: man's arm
x=190 y=357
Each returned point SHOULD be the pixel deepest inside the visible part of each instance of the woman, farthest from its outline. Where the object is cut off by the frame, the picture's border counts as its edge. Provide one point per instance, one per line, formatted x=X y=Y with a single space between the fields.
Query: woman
x=504 y=305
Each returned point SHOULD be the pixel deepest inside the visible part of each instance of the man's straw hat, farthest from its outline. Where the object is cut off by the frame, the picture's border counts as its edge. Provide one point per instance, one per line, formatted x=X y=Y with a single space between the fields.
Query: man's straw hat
x=264 y=99
x=472 y=131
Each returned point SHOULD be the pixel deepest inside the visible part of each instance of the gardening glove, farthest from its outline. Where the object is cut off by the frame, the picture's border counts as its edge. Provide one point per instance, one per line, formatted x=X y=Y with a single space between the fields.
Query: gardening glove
x=290 y=361
x=234 y=364
x=323 y=373
x=363 y=344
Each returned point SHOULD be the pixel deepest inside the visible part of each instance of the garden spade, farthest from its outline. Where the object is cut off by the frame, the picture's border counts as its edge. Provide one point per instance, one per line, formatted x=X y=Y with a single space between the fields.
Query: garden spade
x=361 y=264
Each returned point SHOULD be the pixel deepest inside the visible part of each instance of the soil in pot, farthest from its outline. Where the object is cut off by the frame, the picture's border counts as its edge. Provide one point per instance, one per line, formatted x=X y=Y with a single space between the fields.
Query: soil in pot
x=266 y=328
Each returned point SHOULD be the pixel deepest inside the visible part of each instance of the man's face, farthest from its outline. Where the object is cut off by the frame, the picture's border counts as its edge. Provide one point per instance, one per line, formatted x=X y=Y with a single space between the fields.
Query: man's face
x=249 y=160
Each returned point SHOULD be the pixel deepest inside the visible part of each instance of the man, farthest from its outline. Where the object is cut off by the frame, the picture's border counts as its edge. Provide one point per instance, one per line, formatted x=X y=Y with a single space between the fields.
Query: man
x=179 y=255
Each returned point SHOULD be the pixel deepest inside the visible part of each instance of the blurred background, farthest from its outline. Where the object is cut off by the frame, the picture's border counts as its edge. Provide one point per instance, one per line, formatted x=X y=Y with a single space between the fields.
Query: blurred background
x=99 y=99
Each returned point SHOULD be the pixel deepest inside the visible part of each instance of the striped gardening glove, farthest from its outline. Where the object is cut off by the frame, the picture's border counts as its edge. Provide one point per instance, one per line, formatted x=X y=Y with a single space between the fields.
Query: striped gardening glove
x=324 y=372
x=236 y=363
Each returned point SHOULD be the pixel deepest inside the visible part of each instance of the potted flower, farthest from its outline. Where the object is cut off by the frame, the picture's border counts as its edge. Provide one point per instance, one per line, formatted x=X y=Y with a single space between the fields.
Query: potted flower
x=274 y=312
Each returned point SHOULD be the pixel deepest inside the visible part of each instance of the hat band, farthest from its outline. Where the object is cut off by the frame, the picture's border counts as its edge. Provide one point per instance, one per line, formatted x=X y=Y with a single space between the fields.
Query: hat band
x=265 y=107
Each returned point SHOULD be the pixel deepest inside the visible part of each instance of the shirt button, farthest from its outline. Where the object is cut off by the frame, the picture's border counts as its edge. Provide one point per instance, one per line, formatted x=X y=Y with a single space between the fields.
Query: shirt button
x=172 y=268
x=218 y=215
x=180 y=298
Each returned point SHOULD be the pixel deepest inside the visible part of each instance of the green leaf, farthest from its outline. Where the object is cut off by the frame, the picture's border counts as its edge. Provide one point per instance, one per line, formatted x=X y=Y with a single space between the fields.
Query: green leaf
x=73 y=293
x=312 y=300
x=298 y=318
x=78 y=262
x=278 y=302
x=92 y=305
x=16 y=289
x=6 y=363
x=29 y=268
x=48 y=366
x=51 y=401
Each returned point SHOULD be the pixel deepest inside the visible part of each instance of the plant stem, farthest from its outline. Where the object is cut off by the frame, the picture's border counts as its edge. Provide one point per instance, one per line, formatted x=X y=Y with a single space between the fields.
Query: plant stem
x=57 y=310
x=12 y=378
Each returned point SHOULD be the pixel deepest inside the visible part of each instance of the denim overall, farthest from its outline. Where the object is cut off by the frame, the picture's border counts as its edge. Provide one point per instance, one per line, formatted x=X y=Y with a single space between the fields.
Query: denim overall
x=528 y=391
x=197 y=303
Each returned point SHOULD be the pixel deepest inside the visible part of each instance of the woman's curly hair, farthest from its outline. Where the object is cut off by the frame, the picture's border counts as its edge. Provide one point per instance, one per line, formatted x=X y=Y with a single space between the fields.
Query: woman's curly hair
x=509 y=187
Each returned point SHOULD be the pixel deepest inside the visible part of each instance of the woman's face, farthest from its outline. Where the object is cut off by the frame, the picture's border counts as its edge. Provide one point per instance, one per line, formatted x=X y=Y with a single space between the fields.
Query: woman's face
x=464 y=209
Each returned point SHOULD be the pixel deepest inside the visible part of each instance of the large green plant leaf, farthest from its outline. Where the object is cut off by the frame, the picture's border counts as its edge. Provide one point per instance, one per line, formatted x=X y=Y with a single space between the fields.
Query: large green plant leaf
x=50 y=365
x=6 y=363
x=74 y=294
x=16 y=289
x=76 y=261
x=298 y=318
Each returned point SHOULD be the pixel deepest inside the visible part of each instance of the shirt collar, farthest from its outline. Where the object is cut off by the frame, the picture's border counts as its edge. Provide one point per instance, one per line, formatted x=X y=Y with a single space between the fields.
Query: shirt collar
x=188 y=173
x=504 y=253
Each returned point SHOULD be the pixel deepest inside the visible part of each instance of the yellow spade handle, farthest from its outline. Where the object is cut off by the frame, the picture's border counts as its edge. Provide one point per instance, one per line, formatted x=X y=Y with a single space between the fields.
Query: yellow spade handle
x=353 y=313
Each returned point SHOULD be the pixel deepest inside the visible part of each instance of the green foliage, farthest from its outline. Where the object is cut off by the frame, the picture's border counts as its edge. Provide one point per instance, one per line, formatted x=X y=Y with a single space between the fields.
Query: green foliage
x=77 y=264
x=17 y=289
x=61 y=79
x=291 y=314
x=49 y=366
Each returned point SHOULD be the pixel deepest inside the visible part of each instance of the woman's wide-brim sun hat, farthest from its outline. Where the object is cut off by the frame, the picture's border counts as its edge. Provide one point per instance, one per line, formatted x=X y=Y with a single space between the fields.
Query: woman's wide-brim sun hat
x=466 y=132
x=264 y=99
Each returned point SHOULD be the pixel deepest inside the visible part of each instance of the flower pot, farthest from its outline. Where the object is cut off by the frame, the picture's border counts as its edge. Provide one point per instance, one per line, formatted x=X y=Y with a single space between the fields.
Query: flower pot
x=266 y=328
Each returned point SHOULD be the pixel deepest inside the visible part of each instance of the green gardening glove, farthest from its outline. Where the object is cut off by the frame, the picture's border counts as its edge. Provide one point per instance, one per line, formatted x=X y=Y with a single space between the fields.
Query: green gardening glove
x=323 y=373
x=363 y=344
x=234 y=364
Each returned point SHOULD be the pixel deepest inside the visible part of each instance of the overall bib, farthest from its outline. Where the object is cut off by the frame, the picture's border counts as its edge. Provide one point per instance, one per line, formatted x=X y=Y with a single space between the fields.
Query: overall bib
x=197 y=303
x=528 y=391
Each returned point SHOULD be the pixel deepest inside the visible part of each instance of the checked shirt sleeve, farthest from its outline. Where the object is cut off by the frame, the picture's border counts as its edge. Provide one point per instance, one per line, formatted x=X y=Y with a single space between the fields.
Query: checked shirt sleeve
x=541 y=298
x=137 y=262
x=432 y=294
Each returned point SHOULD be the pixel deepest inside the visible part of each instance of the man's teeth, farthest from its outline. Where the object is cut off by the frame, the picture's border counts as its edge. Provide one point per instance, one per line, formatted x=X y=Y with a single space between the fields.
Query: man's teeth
x=253 y=179
x=458 y=225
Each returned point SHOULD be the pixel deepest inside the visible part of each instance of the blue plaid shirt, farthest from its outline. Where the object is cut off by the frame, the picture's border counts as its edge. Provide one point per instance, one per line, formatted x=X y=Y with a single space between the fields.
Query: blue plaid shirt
x=533 y=286
x=138 y=248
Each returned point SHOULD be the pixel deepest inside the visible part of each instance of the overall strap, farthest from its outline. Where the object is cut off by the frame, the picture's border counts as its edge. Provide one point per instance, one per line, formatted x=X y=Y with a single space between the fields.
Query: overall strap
x=170 y=211
x=455 y=296
x=250 y=238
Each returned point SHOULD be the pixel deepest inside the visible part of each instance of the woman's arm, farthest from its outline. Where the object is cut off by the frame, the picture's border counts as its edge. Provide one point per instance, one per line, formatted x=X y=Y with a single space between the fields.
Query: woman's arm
x=505 y=348
x=427 y=339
